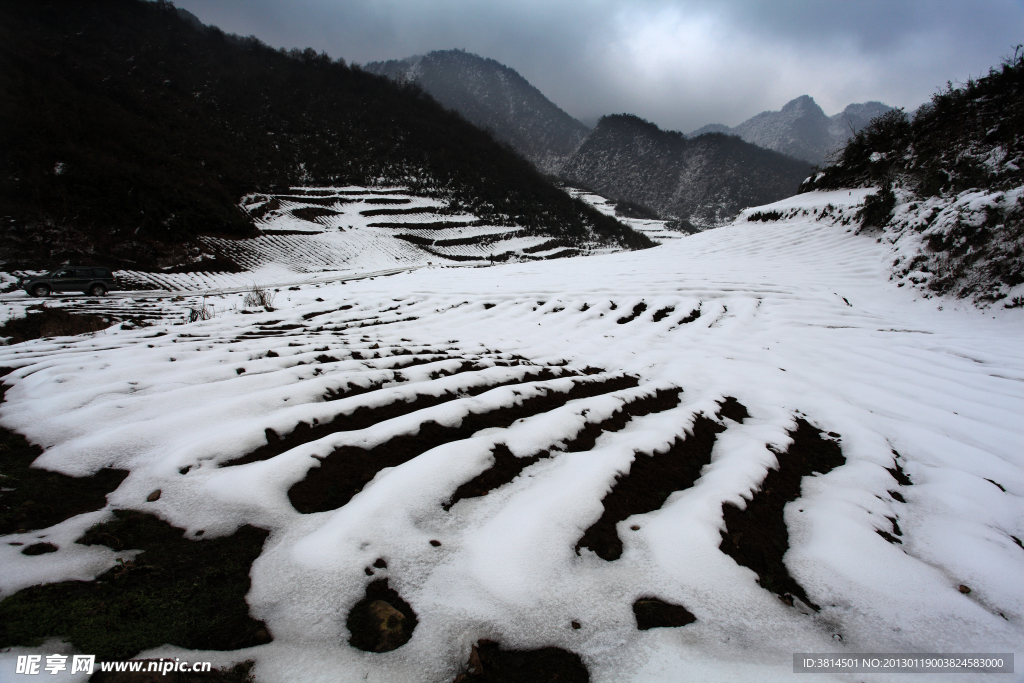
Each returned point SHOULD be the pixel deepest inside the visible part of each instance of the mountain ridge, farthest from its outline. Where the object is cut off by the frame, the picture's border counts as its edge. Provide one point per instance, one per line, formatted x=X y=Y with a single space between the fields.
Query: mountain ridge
x=704 y=180
x=495 y=97
x=801 y=129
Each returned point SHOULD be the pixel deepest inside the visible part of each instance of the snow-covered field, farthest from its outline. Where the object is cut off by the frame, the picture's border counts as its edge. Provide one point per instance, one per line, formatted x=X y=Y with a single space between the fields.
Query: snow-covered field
x=794 y=319
x=349 y=229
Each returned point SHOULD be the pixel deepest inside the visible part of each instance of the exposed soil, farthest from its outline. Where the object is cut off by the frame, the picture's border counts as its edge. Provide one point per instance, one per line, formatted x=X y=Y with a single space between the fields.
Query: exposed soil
x=345 y=472
x=637 y=310
x=240 y=673
x=663 y=313
x=397 y=212
x=416 y=239
x=488 y=663
x=507 y=466
x=365 y=416
x=53 y=322
x=897 y=471
x=733 y=409
x=41 y=498
x=387 y=200
x=693 y=315
x=650 y=481
x=756 y=537
x=310 y=213
x=39 y=549
x=177 y=591
x=654 y=613
x=382 y=621
x=434 y=225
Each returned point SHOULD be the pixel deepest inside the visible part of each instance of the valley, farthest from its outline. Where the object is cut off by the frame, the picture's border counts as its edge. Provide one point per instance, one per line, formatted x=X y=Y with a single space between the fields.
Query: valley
x=490 y=411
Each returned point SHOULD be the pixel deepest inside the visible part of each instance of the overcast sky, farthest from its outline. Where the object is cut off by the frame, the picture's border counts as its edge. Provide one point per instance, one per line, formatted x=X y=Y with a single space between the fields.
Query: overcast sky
x=678 y=63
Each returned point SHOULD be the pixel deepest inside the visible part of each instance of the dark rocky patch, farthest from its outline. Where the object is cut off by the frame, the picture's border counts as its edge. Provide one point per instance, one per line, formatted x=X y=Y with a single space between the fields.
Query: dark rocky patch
x=348 y=469
x=488 y=663
x=756 y=537
x=650 y=481
x=654 y=613
x=177 y=591
x=382 y=621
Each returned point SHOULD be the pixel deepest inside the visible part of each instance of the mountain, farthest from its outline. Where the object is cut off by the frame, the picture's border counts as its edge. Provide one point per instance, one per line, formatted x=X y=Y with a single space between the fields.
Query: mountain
x=129 y=128
x=802 y=129
x=495 y=97
x=950 y=196
x=705 y=180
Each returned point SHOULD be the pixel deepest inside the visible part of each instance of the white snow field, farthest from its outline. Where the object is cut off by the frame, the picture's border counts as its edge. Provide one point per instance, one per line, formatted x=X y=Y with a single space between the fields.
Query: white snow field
x=794 y=319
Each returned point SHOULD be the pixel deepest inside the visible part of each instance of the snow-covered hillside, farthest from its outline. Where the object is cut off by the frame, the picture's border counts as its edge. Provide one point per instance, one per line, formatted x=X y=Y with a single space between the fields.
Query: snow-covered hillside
x=537 y=452
x=312 y=231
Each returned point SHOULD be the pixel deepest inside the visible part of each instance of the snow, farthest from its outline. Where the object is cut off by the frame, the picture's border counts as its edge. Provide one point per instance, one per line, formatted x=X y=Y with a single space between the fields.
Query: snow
x=346 y=241
x=798 y=317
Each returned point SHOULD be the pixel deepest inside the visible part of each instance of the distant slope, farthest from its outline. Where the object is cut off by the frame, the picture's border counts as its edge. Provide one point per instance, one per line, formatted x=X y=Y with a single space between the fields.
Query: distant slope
x=706 y=180
x=128 y=128
x=951 y=187
x=802 y=129
x=494 y=97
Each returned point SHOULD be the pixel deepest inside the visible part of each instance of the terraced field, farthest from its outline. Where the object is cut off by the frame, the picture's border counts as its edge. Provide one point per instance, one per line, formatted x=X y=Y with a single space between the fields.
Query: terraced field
x=686 y=463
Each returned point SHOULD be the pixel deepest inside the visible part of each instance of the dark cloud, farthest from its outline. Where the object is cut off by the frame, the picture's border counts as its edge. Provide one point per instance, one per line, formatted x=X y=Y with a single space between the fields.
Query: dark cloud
x=679 y=63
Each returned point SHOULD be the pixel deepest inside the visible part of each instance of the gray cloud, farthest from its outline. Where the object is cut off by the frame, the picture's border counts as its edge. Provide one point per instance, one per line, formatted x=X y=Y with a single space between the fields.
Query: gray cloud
x=679 y=63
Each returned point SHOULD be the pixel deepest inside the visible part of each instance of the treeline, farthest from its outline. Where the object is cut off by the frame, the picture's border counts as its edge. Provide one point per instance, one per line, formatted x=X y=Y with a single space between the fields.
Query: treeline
x=966 y=137
x=128 y=128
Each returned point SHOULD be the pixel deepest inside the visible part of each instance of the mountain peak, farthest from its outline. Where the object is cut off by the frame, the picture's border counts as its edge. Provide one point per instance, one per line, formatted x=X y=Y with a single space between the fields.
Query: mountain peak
x=801 y=128
x=805 y=105
x=802 y=103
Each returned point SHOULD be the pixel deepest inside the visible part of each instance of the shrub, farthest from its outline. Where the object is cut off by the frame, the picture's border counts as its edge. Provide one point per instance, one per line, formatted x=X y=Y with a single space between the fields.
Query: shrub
x=259 y=296
x=877 y=208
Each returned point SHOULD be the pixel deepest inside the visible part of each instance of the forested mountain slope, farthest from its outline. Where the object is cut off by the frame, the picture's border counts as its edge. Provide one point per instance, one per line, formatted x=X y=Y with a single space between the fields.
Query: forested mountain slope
x=705 y=180
x=496 y=98
x=128 y=128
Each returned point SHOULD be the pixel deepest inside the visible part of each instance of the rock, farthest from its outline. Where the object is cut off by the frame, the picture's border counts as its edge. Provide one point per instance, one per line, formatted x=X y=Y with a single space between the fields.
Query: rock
x=390 y=623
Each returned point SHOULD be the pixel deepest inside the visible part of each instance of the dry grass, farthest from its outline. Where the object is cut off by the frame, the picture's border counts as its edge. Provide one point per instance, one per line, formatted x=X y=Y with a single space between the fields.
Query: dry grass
x=259 y=296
